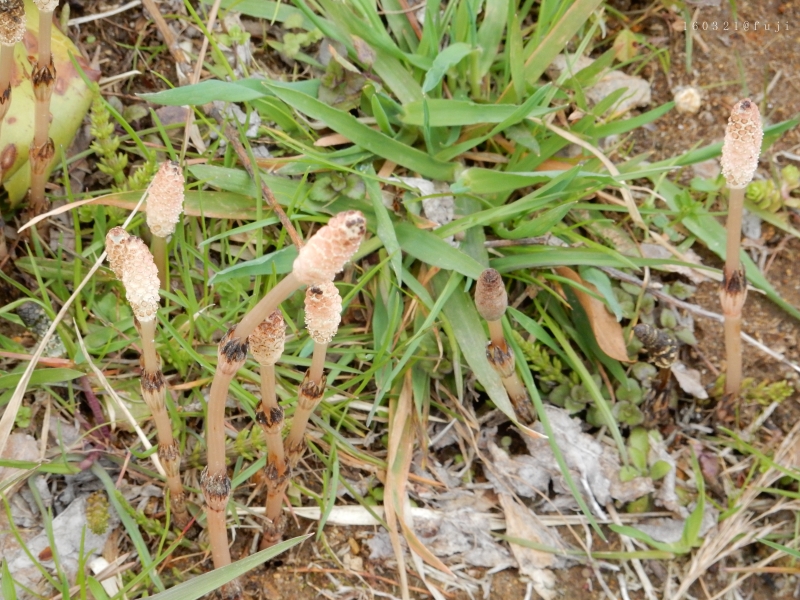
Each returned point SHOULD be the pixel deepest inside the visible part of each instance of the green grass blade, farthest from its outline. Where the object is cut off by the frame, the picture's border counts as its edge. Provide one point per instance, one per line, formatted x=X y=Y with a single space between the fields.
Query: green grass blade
x=711 y=231
x=365 y=137
x=533 y=392
x=208 y=582
x=444 y=61
x=556 y=39
x=431 y=249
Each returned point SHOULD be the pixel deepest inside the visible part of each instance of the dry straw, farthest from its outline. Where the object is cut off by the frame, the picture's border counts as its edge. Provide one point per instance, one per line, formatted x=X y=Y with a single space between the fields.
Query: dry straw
x=133 y=264
x=740 y=152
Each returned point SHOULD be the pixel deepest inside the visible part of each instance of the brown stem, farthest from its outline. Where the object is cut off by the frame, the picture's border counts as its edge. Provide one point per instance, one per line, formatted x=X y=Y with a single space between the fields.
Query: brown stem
x=147 y=330
x=158 y=247
x=496 y=334
x=272 y=422
x=216 y=491
x=318 y=363
x=734 y=230
x=503 y=363
x=45 y=33
x=215 y=421
x=154 y=392
x=285 y=288
x=733 y=352
x=309 y=395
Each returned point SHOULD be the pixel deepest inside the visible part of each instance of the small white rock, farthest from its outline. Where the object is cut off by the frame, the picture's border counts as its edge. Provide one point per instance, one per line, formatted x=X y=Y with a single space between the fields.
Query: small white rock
x=688 y=100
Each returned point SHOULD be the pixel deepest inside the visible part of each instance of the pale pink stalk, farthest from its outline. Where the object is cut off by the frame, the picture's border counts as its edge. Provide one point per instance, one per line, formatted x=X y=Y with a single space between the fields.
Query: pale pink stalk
x=43 y=77
x=132 y=262
x=740 y=151
x=491 y=300
x=318 y=261
x=164 y=208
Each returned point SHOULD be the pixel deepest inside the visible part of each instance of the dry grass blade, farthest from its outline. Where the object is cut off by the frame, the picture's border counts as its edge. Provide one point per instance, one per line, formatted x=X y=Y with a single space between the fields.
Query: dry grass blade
x=742 y=528
x=11 y=409
x=401 y=443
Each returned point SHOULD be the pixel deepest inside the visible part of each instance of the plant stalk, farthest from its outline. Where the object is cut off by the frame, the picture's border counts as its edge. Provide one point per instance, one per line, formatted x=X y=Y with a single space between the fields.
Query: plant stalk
x=216 y=485
x=733 y=292
x=284 y=288
x=158 y=246
x=43 y=77
x=502 y=361
x=154 y=391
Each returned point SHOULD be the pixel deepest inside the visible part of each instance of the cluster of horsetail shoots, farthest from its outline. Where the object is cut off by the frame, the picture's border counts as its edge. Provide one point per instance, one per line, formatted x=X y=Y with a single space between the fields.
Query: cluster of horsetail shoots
x=491 y=300
x=740 y=152
x=133 y=264
x=164 y=208
x=44 y=79
x=317 y=262
x=12 y=31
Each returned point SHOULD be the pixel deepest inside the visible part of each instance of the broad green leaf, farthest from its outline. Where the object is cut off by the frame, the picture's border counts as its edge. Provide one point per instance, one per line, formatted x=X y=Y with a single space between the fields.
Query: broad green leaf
x=477 y=180
x=444 y=61
x=266 y=9
x=70 y=102
x=490 y=33
x=432 y=250
x=240 y=182
x=452 y=113
x=41 y=377
x=7 y=584
x=363 y=136
x=208 y=91
x=215 y=205
x=385 y=229
x=279 y=262
x=537 y=257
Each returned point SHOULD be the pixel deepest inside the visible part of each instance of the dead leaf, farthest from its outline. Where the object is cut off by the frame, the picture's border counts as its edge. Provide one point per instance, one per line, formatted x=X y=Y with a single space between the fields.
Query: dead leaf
x=694 y=275
x=689 y=380
x=523 y=524
x=607 y=331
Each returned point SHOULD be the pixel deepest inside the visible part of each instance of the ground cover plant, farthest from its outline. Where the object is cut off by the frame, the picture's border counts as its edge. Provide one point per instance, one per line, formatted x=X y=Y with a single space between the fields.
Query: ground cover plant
x=435 y=176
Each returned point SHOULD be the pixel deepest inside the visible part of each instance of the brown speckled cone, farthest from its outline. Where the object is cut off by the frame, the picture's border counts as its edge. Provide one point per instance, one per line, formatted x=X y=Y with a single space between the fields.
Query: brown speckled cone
x=12 y=22
x=132 y=262
x=268 y=339
x=165 y=199
x=491 y=299
x=742 y=145
x=330 y=248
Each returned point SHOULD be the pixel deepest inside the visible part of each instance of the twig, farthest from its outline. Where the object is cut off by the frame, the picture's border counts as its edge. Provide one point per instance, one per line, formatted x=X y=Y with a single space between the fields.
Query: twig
x=164 y=29
x=109 y=13
x=233 y=139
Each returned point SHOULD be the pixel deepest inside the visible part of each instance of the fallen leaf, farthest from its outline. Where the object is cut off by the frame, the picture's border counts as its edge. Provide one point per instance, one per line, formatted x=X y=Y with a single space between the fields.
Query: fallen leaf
x=607 y=331
x=689 y=380
x=655 y=251
x=523 y=524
